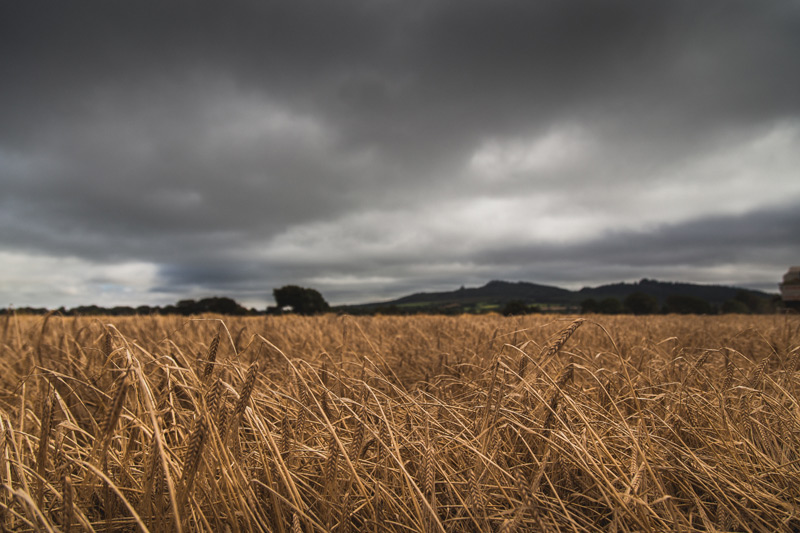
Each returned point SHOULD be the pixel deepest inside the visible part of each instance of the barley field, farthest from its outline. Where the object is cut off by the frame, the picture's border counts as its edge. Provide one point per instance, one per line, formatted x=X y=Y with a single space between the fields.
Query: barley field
x=424 y=423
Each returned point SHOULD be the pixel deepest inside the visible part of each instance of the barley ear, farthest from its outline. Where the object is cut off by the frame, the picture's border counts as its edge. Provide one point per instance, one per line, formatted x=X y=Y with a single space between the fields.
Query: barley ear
x=759 y=373
x=211 y=358
x=44 y=439
x=792 y=366
x=247 y=390
x=191 y=461
x=523 y=364
x=67 y=509
x=358 y=438
x=331 y=464
x=566 y=376
x=728 y=373
x=111 y=419
x=108 y=346
x=285 y=433
x=213 y=396
x=347 y=510
x=563 y=338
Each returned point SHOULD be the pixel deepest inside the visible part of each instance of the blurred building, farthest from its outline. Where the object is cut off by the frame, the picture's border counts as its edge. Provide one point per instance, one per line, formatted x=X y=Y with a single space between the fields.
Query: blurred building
x=790 y=288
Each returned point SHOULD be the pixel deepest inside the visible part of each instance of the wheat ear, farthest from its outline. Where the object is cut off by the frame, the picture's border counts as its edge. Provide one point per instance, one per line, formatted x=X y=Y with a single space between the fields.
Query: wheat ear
x=44 y=439
x=759 y=373
x=67 y=509
x=211 y=358
x=247 y=390
x=728 y=373
x=562 y=338
x=191 y=461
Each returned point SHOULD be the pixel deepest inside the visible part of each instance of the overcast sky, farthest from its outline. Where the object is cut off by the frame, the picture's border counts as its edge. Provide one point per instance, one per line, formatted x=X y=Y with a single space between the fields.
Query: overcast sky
x=152 y=150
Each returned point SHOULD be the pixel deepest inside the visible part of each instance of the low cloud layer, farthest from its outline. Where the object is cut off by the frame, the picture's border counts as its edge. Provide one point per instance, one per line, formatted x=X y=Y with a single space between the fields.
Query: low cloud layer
x=155 y=151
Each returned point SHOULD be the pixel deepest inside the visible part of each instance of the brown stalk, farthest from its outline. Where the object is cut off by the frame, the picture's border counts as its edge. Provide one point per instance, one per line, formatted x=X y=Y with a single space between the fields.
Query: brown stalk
x=562 y=339
x=44 y=439
x=331 y=465
x=247 y=390
x=211 y=358
x=67 y=504
x=759 y=373
x=191 y=462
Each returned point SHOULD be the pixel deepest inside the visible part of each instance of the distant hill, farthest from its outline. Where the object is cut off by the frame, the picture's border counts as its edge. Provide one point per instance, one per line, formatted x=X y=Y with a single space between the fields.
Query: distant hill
x=661 y=290
x=493 y=292
x=496 y=294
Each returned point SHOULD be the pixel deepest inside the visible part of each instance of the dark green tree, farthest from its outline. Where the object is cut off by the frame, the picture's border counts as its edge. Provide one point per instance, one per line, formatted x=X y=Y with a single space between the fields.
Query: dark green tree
x=640 y=303
x=751 y=300
x=685 y=305
x=215 y=304
x=515 y=308
x=303 y=301
x=735 y=307
x=589 y=305
x=609 y=306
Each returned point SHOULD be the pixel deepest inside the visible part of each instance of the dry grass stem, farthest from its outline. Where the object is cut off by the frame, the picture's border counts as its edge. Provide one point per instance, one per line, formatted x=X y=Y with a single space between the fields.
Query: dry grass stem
x=397 y=424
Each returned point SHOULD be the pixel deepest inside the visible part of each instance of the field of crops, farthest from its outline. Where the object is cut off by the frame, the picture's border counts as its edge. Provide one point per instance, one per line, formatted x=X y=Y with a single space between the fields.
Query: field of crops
x=425 y=423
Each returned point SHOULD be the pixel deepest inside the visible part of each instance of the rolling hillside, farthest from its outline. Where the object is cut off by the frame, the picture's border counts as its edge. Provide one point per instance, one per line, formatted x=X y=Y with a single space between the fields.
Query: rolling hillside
x=496 y=294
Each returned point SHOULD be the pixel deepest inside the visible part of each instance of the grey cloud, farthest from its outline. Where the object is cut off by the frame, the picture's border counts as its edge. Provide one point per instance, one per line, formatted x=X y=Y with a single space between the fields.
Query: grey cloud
x=699 y=250
x=192 y=135
x=702 y=241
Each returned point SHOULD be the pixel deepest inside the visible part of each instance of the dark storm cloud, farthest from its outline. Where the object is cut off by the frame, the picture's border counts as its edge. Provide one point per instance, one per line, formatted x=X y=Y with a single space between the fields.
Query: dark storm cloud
x=376 y=147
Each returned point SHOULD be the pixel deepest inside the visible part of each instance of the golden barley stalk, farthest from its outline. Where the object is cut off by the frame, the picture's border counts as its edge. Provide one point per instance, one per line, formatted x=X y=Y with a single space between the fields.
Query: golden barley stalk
x=213 y=396
x=428 y=466
x=700 y=362
x=792 y=366
x=44 y=439
x=324 y=404
x=247 y=390
x=347 y=510
x=323 y=373
x=510 y=526
x=475 y=495
x=111 y=419
x=331 y=463
x=606 y=393
x=728 y=373
x=759 y=372
x=67 y=509
x=563 y=338
x=151 y=469
x=358 y=438
x=157 y=493
x=211 y=358
x=222 y=419
x=115 y=411
x=523 y=364
x=637 y=478
x=108 y=347
x=285 y=433
x=191 y=460
x=566 y=375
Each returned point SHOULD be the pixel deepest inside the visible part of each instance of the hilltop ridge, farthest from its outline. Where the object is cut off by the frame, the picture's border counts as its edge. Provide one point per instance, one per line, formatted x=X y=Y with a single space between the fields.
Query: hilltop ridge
x=493 y=296
x=496 y=294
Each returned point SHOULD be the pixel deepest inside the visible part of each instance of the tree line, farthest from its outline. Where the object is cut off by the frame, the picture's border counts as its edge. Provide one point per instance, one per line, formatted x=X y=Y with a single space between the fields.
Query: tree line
x=640 y=303
x=307 y=301
x=288 y=299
